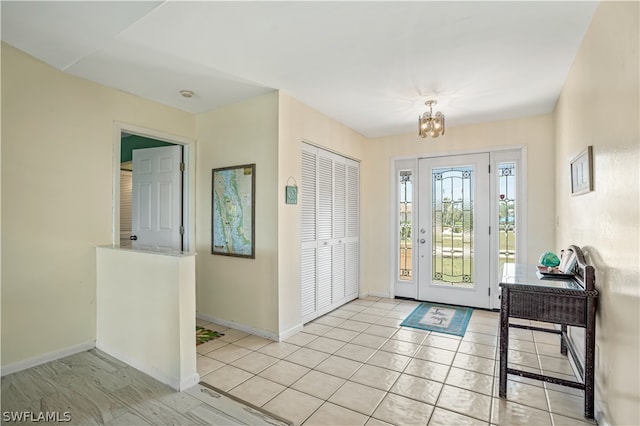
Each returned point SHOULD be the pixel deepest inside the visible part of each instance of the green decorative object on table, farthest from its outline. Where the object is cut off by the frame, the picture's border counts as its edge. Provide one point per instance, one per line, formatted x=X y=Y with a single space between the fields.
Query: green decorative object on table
x=549 y=259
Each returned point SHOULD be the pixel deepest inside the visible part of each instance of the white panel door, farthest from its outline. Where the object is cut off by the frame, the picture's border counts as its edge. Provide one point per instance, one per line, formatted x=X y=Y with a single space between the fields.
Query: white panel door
x=157 y=198
x=453 y=235
x=126 y=182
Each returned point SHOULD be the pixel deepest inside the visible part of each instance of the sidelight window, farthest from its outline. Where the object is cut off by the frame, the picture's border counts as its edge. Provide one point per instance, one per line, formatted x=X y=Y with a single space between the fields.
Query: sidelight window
x=406 y=225
x=507 y=213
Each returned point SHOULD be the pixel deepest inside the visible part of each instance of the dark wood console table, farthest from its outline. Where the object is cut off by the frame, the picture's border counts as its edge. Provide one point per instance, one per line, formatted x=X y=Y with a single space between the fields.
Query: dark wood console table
x=567 y=301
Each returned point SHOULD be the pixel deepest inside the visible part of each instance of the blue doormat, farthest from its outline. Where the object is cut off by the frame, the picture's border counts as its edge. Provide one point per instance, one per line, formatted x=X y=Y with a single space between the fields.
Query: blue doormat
x=447 y=319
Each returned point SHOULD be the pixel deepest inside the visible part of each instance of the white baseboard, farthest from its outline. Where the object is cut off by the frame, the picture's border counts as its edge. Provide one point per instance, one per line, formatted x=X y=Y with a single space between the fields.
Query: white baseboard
x=290 y=332
x=242 y=327
x=600 y=417
x=380 y=294
x=189 y=381
x=599 y=406
x=252 y=330
x=48 y=357
x=175 y=382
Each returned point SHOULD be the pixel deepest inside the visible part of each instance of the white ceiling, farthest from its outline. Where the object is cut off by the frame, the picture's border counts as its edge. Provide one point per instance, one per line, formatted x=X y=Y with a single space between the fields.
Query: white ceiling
x=368 y=64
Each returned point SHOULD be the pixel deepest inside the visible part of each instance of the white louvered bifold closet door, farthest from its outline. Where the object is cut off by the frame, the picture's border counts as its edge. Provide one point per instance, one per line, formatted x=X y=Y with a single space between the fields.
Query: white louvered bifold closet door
x=325 y=228
x=308 y=233
x=330 y=231
x=339 y=228
x=352 y=272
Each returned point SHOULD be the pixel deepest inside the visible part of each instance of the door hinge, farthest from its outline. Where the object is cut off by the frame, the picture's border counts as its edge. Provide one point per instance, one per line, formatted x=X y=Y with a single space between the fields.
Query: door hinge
x=489 y=229
x=181 y=230
x=182 y=167
x=489 y=168
x=489 y=291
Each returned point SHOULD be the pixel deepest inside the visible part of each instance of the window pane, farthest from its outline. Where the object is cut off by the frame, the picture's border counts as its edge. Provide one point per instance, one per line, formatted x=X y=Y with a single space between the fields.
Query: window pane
x=452 y=227
x=507 y=213
x=405 y=214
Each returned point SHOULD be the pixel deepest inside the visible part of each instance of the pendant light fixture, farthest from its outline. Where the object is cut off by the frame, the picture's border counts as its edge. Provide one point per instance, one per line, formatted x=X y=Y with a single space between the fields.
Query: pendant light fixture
x=430 y=124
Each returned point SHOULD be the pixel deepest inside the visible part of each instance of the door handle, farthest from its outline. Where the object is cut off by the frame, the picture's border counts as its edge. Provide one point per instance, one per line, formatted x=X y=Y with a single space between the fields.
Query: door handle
x=133 y=237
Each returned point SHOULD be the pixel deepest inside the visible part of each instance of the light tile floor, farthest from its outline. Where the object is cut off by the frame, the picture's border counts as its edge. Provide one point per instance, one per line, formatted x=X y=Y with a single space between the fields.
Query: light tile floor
x=357 y=366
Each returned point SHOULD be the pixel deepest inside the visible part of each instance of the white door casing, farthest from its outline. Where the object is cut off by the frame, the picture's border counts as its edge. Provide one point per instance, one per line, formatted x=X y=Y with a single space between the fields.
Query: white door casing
x=477 y=280
x=157 y=198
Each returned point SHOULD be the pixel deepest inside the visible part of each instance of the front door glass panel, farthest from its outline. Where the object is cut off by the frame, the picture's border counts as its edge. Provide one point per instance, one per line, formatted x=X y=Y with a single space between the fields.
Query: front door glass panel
x=452 y=226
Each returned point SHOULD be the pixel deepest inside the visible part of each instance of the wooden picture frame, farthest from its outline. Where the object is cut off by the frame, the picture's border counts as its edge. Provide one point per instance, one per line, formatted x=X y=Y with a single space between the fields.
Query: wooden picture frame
x=233 y=210
x=582 y=172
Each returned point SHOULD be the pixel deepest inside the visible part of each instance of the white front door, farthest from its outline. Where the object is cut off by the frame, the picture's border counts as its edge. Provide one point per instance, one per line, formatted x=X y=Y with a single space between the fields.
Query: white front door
x=157 y=198
x=453 y=230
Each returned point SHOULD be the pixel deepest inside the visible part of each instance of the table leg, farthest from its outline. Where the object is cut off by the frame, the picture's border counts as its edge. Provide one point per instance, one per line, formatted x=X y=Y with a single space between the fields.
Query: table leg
x=590 y=346
x=504 y=341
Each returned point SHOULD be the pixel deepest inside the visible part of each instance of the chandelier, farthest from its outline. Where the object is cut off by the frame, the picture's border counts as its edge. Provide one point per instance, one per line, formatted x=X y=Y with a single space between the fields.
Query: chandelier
x=430 y=124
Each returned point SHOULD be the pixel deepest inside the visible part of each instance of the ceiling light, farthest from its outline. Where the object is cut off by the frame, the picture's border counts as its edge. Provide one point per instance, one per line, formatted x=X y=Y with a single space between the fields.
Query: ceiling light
x=430 y=124
x=186 y=93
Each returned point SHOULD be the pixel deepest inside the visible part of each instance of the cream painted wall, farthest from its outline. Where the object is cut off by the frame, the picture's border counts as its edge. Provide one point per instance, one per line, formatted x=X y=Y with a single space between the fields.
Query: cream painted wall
x=603 y=85
x=534 y=133
x=239 y=290
x=135 y=289
x=297 y=123
x=57 y=178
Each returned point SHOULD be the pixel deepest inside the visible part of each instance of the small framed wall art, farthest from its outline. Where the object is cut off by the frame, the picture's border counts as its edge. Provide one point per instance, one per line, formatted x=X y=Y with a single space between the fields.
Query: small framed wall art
x=291 y=192
x=582 y=172
x=292 y=195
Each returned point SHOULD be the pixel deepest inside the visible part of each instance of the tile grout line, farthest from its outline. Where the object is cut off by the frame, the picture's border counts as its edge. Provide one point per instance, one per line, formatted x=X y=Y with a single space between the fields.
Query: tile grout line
x=362 y=364
x=422 y=343
x=546 y=394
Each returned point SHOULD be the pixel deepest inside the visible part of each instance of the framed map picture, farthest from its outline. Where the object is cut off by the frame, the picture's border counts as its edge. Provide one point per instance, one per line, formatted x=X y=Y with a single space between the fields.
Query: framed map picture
x=233 y=211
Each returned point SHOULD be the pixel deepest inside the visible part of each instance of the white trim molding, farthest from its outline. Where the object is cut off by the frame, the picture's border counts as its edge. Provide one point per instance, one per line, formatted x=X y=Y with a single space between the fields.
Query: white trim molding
x=177 y=383
x=242 y=327
x=276 y=337
x=48 y=357
x=189 y=185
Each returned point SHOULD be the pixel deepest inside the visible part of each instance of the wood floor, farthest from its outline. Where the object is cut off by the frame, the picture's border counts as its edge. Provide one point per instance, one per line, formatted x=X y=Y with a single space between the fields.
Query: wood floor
x=92 y=388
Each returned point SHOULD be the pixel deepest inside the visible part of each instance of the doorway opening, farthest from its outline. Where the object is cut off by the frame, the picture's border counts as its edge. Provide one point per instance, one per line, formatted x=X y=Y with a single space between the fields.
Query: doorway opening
x=128 y=144
x=453 y=221
x=458 y=219
x=127 y=140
